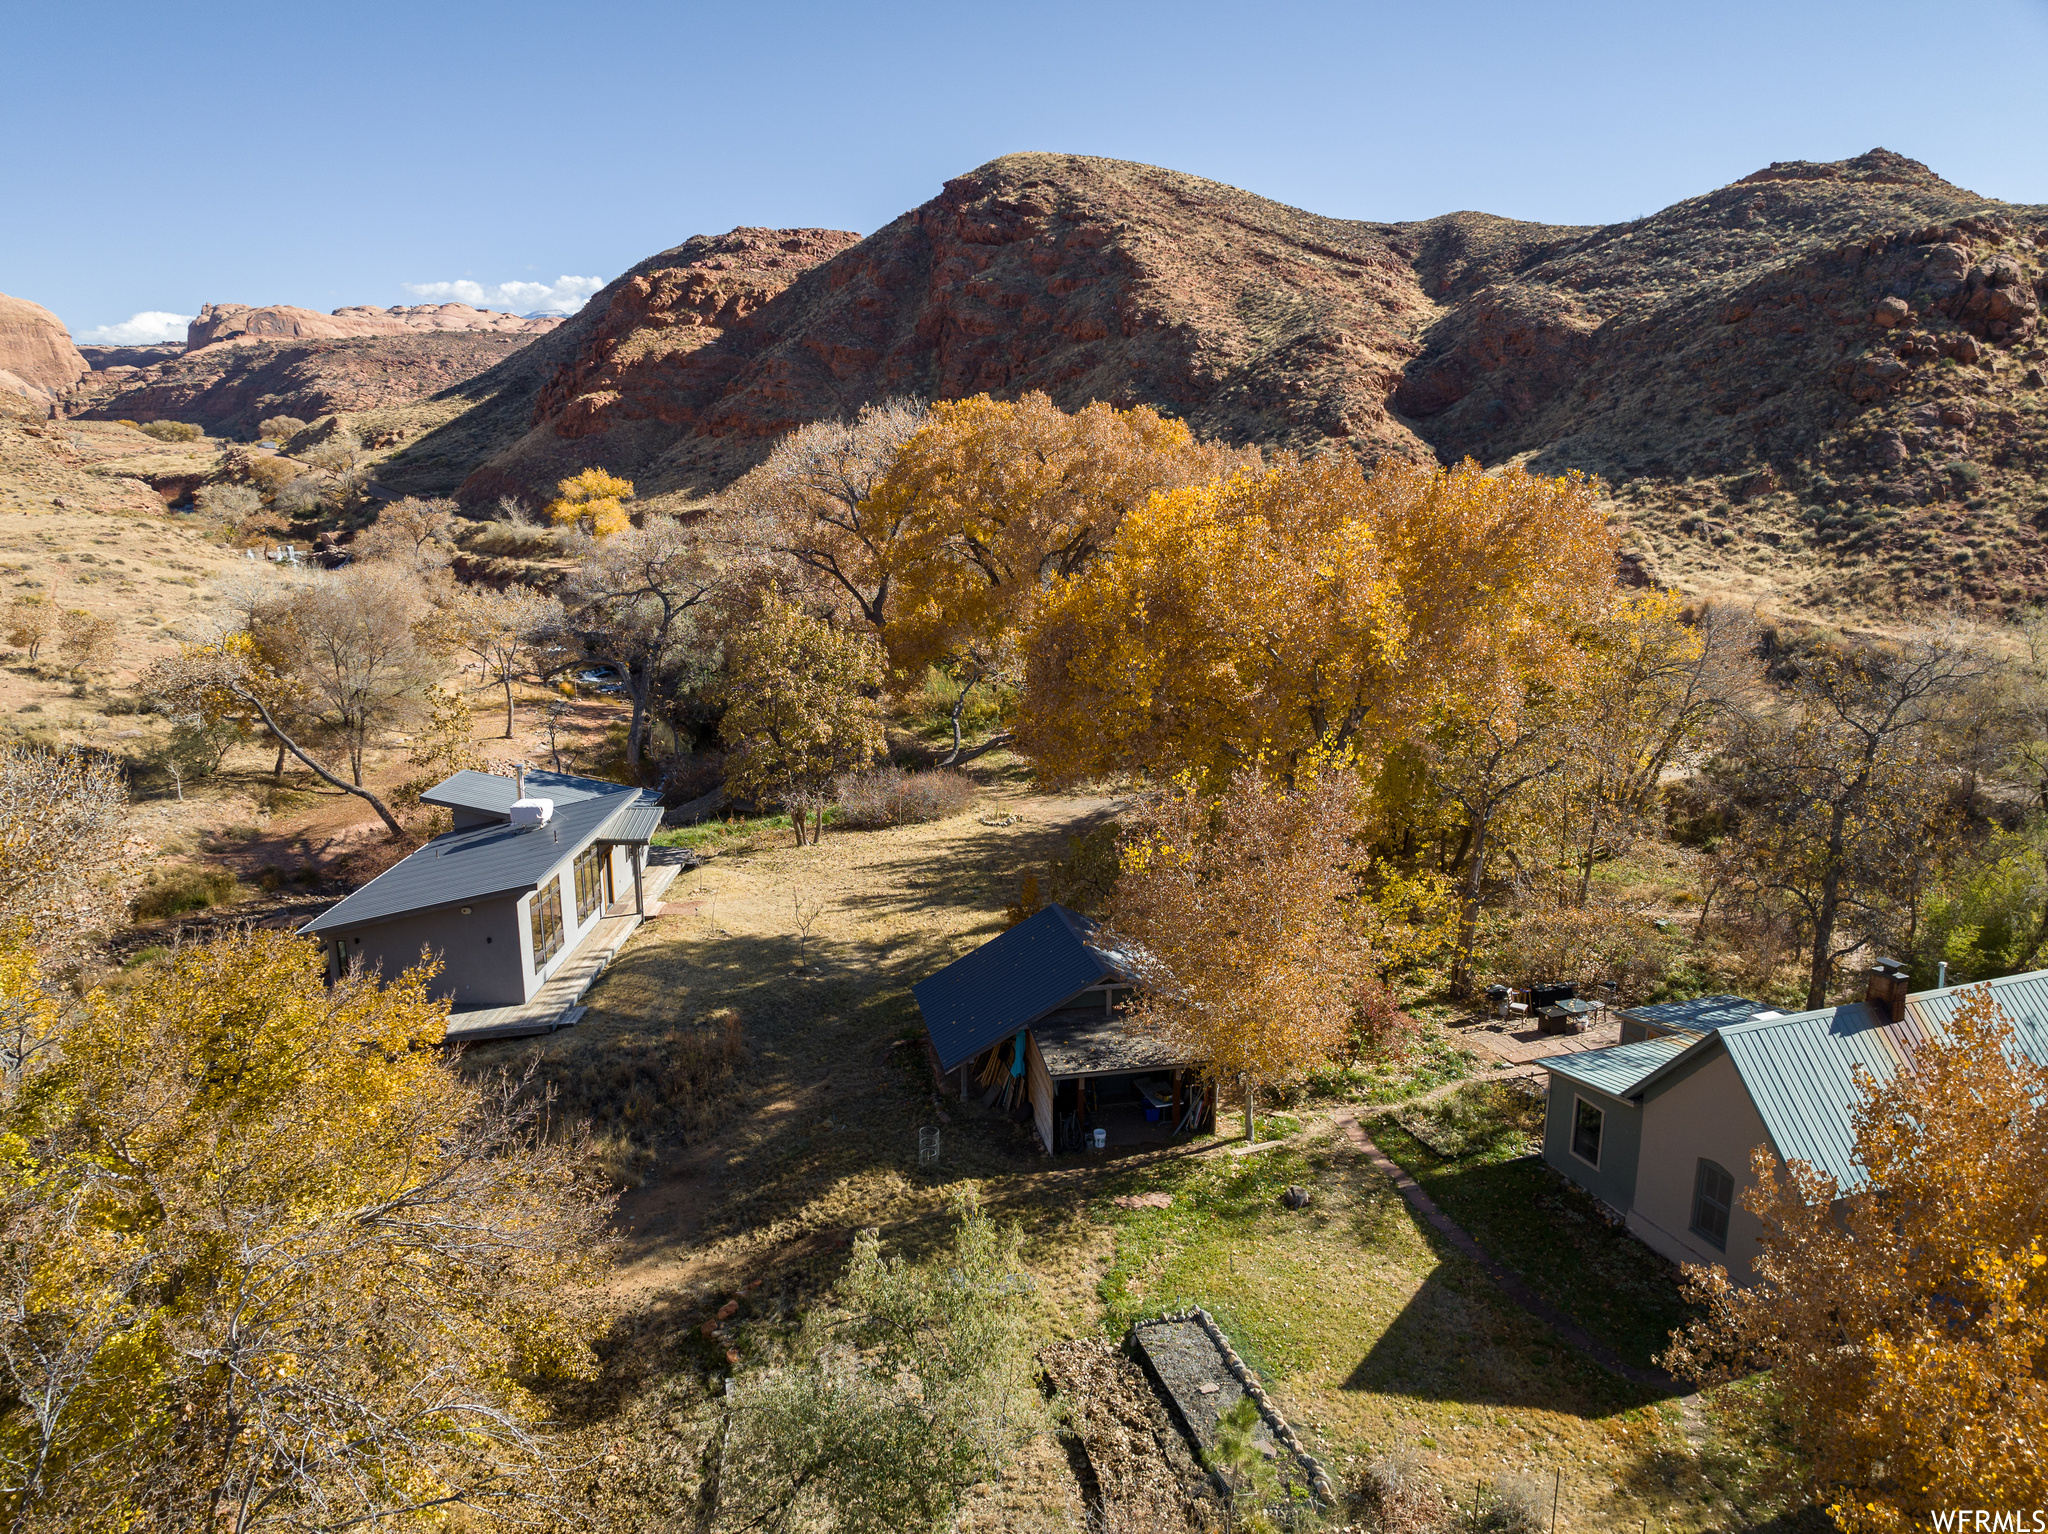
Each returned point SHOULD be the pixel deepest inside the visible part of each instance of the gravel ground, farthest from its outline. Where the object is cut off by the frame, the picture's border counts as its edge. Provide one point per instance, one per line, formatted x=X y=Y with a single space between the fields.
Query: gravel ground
x=1191 y=1368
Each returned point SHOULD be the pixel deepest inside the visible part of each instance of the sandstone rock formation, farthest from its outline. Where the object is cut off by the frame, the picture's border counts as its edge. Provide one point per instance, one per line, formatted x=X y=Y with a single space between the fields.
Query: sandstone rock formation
x=233 y=322
x=229 y=389
x=101 y=358
x=1730 y=365
x=37 y=359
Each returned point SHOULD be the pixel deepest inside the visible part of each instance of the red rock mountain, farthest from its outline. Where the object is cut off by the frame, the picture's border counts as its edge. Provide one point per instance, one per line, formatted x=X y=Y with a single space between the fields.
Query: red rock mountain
x=284 y=322
x=1765 y=346
x=231 y=387
x=37 y=359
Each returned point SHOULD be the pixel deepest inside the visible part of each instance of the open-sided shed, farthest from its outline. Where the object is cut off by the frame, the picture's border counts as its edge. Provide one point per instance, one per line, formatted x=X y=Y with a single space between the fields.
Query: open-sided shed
x=1034 y=1015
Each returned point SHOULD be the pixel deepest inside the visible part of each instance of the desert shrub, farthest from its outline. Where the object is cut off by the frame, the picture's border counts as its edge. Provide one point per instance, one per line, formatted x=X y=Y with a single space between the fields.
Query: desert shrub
x=1589 y=947
x=306 y=495
x=677 y=1084
x=192 y=887
x=1398 y=1496
x=231 y=503
x=269 y=475
x=506 y=540
x=86 y=639
x=888 y=796
x=171 y=431
x=1515 y=1505
x=281 y=428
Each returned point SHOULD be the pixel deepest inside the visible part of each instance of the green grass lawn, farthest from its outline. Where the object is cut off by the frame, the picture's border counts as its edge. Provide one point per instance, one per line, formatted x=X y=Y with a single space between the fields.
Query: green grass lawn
x=737 y=834
x=1374 y=1334
x=1523 y=1213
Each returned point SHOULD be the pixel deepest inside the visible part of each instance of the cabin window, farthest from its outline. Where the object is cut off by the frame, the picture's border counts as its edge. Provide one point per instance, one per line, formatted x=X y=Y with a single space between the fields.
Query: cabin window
x=589 y=882
x=1713 y=1195
x=1587 y=1122
x=546 y=915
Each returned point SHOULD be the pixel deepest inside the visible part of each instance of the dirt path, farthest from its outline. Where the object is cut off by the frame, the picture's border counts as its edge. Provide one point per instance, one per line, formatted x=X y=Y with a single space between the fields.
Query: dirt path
x=766 y=1176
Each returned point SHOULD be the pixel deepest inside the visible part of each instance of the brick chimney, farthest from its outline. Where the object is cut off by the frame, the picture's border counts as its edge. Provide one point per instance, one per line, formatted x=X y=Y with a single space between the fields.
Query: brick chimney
x=1887 y=989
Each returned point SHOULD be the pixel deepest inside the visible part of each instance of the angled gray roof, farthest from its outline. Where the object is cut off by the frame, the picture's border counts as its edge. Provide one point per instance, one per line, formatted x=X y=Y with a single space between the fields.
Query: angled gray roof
x=1702 y=1014
x=1090 y=1041
x=1619 y=1069
x=497 y=859
x=1009 y=982
x=491 y=794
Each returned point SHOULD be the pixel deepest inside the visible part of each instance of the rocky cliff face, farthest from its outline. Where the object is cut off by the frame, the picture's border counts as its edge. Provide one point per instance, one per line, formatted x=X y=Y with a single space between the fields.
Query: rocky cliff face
x=37 y=359
x=216 y=323
x=230 y=388
x=1771 y=376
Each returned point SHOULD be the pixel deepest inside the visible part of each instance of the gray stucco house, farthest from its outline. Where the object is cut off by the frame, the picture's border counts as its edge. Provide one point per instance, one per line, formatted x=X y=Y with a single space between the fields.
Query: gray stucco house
x=504 y=898
x=1661 y=1128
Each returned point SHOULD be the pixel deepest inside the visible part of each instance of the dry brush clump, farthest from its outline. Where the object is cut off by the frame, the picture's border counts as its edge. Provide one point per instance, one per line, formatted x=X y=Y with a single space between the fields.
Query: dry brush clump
x=638 y=1094
x=889 y=796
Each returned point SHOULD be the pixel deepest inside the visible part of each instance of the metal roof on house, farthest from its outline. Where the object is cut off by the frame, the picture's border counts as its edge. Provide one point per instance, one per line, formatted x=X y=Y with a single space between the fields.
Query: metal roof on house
x=1619 y=1069
x=1801 y=1070
x=1091 y=1041
x=489 y=794
x=499 y=859
x=634 y=823
x=1703 y=1014
x=1010 y=982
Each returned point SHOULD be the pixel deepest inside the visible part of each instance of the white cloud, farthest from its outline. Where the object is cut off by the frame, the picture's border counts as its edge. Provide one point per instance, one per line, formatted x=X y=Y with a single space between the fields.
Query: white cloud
x=138 y=330
x=565 y=295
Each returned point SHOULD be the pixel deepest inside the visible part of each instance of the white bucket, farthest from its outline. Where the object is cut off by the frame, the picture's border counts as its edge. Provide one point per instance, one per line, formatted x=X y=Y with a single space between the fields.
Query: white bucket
x=1101 y=1138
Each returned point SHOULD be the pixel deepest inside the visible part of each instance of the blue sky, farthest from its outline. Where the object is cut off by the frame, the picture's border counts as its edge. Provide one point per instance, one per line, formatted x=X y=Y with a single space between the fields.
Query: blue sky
x=162 y=155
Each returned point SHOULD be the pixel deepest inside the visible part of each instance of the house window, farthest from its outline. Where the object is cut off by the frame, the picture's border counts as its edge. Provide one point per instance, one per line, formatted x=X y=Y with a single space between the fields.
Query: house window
x=1713 y=1195
x=546 y=915
x=1587 y=1121
x=589 y=882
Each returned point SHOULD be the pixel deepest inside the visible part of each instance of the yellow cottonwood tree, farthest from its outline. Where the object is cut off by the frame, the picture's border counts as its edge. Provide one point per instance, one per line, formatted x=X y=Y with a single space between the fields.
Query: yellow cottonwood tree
x=1905 y=1327
x=1304 y=607
x=267 y=1260
x=991 y=499
x=1243 y=914
x=592 y=501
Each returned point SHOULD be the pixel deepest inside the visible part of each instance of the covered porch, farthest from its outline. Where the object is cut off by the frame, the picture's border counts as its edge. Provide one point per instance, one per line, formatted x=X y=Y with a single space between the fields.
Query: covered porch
x=1093 y=1072
x=557 y=1003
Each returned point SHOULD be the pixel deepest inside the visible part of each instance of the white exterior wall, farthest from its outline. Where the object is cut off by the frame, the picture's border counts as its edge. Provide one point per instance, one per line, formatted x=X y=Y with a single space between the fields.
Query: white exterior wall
x=573 y=931
x=1704 y=1113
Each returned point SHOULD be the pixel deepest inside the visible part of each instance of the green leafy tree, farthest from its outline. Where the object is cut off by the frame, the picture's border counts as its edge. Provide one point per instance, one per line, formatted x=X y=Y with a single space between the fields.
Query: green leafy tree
x=801 y=707
x=895 y=1405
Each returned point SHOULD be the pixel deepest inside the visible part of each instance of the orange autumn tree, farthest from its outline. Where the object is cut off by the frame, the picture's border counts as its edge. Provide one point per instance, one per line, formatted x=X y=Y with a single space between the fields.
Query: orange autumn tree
x=992 y=499
x=592 y=501
x=1905 y=1326
x=1241 y=913
x=1304 y=607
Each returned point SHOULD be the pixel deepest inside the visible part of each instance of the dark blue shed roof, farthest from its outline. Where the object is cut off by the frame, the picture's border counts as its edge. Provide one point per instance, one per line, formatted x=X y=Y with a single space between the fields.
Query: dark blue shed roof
x=1010 y=982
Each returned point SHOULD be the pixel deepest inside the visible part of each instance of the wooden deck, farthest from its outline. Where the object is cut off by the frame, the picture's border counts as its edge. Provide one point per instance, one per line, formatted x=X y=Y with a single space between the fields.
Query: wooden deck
x=554 y=1005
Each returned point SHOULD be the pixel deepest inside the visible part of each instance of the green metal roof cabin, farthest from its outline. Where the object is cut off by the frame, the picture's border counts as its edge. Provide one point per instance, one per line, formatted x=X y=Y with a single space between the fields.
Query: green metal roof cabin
x=1661 y=1129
